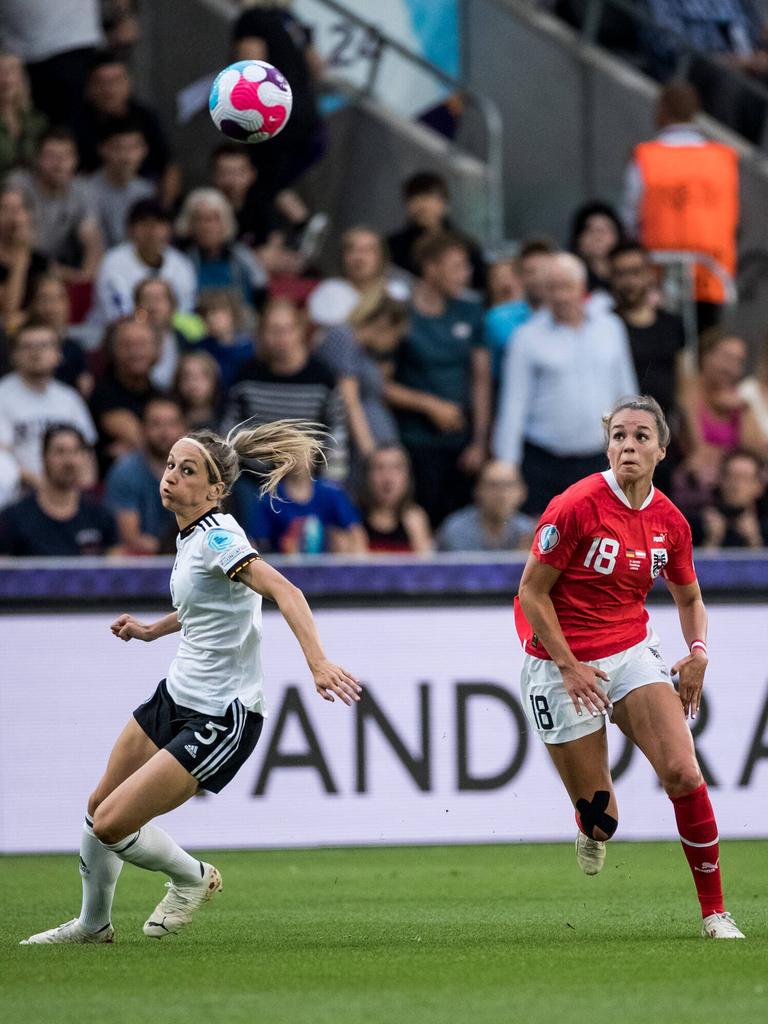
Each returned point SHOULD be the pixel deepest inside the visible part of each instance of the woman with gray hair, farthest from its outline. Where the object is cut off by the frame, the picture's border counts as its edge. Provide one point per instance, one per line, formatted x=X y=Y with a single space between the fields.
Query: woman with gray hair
x=591 y=655
x=206 y=228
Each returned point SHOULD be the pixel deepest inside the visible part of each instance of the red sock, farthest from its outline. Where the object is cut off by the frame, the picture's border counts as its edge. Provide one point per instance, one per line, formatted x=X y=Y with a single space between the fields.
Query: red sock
x=698 y=834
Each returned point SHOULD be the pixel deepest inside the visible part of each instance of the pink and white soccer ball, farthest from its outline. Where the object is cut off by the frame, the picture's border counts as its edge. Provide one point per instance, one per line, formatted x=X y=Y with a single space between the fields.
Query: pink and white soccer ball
x=250 y=101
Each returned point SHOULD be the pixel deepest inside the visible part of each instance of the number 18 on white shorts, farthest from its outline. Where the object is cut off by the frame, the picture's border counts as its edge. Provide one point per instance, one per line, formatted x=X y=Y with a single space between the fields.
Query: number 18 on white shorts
x=551 y=711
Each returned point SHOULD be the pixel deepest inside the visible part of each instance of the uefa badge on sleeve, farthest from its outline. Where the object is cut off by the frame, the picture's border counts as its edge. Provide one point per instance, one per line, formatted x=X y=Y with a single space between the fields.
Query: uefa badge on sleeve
x=549 y=538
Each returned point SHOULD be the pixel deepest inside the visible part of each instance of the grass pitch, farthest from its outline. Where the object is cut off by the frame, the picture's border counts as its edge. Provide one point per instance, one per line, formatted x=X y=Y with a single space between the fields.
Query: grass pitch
x=399 y=936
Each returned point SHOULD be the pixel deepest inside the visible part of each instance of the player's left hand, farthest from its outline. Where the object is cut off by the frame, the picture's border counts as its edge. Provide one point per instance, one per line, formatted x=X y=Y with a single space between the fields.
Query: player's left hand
x=691 y=671
x=330 y=679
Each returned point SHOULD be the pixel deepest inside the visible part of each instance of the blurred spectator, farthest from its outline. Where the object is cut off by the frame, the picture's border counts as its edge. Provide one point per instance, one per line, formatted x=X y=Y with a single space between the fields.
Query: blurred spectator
x=120 y=20
x=426 y=199
x=10 y=477
x=716 y=417
x=735 y=518
x=392 y=520
x=197 y=390
x=595 y=231
x=656 y=338
x=50 y=305
x=31 y=399
x=366 y=277
x=155 y=298
x=132 y=489
x=67 y=231
x=754 y=391
x=494 y=522
x=147 y=253
x=507 y=312
x=307 y=517
x=272 y=226
x=57 y=43
x=20 y=262
x=116 y=186
x=507 y=308
x=442 y=384
x=356 y=355
x=681 y=192
x=208 y=227
x=263 y=35
x=710 y=26
x=123 y=390
x=21 y=126
x=566 y=364
x=57 y=521
x=109 y=95
x=226 y=339
x=285 y=381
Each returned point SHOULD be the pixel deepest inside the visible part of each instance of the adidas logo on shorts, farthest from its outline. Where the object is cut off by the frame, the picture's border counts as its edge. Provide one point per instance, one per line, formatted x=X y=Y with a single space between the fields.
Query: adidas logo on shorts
x=191 y=749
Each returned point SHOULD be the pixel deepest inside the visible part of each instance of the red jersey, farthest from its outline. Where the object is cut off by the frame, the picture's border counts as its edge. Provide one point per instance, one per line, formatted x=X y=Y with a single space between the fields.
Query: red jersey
x=609 y=555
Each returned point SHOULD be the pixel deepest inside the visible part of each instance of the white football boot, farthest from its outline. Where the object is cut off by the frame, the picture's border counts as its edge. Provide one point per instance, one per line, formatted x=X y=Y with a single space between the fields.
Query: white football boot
x=720 y=926
x=590 y=854
x=178 y=906
x=70 y=933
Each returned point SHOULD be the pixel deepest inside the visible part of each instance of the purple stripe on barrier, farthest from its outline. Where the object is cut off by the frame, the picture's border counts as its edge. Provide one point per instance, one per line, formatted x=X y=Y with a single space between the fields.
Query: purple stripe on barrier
x=89 y=580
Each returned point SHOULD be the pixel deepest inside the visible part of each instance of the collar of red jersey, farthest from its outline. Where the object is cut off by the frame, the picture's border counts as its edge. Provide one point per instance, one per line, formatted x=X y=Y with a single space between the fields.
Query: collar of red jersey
x=613 y=483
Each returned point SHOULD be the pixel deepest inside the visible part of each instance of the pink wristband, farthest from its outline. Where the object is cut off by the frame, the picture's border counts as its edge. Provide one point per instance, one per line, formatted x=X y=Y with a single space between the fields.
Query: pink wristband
x=700 y=644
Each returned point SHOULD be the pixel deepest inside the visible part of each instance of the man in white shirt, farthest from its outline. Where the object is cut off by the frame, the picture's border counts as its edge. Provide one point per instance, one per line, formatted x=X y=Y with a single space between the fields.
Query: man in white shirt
x=31 y=400
x=565 y=368
x=147 y=253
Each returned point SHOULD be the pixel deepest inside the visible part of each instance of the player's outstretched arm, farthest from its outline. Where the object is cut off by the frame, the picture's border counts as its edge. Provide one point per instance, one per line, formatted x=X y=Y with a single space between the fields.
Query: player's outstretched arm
x=125 y=627
x=579 y=680
x=329 y=679
x=693 y=622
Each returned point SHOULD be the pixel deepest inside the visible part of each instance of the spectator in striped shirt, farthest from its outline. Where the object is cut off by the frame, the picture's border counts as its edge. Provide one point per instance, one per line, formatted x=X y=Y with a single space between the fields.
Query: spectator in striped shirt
x=286 y=381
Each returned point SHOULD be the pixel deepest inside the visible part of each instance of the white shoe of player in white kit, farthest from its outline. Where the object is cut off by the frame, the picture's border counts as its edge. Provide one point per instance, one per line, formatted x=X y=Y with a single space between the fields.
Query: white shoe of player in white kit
x=590 y=854
x=70 y=933
x=720 y=926
x=178 y=906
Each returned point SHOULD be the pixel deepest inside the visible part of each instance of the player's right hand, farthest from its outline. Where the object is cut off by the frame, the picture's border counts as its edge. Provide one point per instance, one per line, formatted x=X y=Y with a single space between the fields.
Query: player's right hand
x=125 y=627
x=580 y=682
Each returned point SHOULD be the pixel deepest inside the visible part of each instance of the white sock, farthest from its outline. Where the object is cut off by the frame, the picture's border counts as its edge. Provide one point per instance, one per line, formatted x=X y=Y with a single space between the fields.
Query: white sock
x=99 y=869
x=153 y=849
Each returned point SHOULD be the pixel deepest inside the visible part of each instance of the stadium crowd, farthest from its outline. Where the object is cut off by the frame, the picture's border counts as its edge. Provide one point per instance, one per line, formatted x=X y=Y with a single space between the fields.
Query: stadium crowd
x=461 y=389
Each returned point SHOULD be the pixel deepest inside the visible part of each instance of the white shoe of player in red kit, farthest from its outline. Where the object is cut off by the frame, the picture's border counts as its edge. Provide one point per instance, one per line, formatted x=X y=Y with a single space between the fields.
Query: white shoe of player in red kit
x=178 y=906
x=720 y=926
x=70 y=933
x=590 y=854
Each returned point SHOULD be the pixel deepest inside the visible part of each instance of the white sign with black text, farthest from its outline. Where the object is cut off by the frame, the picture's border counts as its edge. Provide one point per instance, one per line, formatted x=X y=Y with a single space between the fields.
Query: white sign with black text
x=440 y=750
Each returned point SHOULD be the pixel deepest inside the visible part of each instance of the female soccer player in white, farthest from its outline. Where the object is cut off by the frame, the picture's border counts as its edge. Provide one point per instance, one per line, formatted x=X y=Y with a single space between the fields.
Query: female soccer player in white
x=590 y=652
x=203 y=721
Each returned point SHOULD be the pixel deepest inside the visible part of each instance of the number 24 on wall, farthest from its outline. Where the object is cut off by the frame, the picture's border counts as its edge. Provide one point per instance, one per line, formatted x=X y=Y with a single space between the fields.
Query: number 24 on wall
x=602 y=555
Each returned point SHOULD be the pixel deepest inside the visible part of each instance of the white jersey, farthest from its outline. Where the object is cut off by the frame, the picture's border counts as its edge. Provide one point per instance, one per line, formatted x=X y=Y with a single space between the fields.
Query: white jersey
x=219 y=656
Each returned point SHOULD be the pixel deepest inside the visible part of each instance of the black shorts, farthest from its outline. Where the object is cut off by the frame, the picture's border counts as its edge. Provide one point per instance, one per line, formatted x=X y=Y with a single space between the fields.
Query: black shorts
x=212 y=748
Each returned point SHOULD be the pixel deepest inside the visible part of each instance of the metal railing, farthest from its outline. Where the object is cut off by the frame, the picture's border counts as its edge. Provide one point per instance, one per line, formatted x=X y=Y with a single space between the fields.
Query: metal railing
x=378 y=44
x=682 y=292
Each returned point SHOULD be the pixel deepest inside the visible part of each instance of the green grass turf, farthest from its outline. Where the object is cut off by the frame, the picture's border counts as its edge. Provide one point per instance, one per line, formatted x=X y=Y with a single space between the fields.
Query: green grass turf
x=423 y=935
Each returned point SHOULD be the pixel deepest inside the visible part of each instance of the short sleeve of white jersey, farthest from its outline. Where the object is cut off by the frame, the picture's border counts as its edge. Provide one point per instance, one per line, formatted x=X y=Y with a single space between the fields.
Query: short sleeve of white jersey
x=227 y=550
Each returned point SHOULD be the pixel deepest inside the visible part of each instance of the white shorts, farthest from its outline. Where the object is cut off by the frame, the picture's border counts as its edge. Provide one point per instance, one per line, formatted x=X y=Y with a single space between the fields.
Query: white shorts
x=549 y=708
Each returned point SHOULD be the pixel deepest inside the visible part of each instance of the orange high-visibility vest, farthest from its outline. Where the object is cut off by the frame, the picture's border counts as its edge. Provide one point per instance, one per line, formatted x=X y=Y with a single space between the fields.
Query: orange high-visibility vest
x=691 y=201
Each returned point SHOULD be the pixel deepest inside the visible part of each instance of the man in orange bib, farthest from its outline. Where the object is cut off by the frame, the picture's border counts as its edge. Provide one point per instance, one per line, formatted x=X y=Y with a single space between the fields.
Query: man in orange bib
x=682 y=193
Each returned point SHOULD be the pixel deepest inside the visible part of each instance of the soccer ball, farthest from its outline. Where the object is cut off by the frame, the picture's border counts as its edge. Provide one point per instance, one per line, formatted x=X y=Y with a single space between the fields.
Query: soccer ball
x=250 y=101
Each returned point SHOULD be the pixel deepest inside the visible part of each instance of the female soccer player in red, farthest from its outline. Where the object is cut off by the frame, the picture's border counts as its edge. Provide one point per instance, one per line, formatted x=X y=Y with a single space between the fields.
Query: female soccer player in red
x=590 y=652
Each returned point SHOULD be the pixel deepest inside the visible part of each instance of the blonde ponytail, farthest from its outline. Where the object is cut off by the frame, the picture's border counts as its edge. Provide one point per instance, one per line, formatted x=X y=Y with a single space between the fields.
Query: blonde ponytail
x=286 y=444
